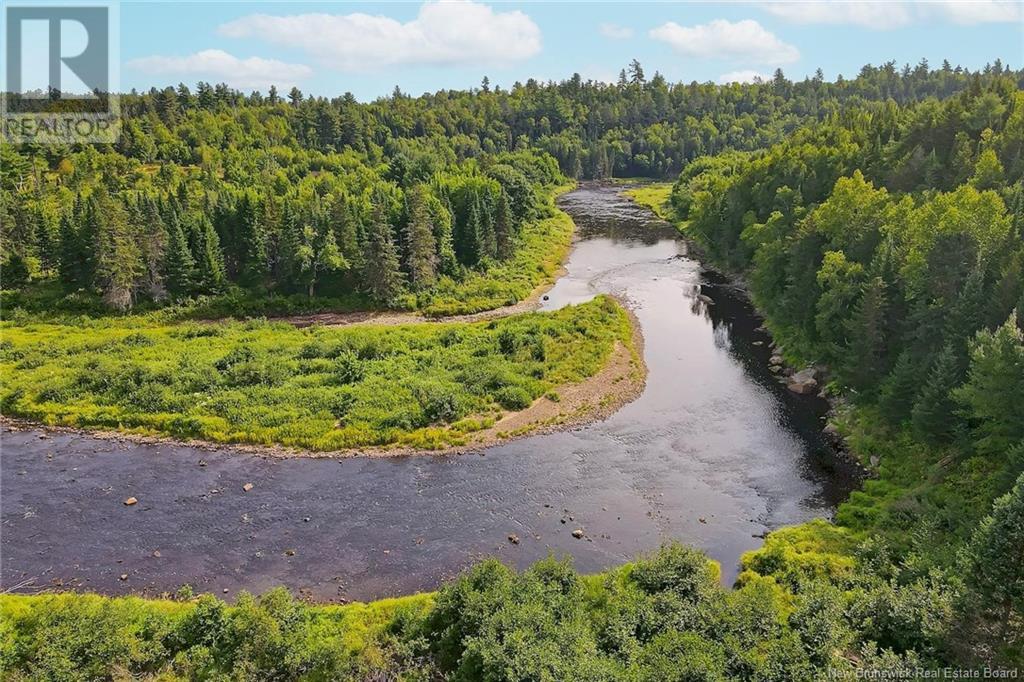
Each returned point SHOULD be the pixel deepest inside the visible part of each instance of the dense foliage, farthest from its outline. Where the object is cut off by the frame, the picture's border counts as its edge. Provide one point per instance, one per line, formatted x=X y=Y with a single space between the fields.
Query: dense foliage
x=663 y=617
x=322 y=388
x=887 y=243
x=209 y=190
x=879 y=222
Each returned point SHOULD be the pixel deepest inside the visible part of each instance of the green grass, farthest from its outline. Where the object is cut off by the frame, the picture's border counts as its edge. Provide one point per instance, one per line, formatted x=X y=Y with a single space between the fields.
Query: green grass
x=654 y=196
x=419 y=385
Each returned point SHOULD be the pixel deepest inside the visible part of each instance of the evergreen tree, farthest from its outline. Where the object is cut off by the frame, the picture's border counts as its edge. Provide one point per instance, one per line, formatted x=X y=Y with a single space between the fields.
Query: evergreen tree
x=899 y=390
x=441 y=218
x=70 y=266
x=118 y=258
x=14 y=274
x=154 y=247
x=209 y=260
x=866 y=356
x=345 y=224
x=252 y=239
x=179 y=269
x=994 y=568
x=933 y=416
x=420 y=245
x=993 y=394
x=382 y=274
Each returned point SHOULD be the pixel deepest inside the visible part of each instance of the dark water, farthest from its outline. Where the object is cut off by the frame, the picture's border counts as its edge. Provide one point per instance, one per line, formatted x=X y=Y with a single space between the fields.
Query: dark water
x=713 y=453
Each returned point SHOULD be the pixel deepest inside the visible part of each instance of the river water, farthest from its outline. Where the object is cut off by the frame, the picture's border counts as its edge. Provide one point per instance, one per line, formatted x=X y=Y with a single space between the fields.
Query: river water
x=714 y=453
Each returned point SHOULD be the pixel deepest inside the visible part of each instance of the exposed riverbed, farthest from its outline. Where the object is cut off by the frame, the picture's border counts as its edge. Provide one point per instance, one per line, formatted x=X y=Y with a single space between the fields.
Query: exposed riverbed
x=714 y=453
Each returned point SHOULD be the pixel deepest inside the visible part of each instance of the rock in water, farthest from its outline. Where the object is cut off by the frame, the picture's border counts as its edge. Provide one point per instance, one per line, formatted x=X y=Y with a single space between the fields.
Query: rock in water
x=130 y=501
x=804 y=382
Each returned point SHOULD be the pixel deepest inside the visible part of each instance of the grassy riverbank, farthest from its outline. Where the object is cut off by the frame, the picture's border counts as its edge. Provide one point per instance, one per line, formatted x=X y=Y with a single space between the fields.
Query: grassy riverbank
x=420 y=385
x=655 y=196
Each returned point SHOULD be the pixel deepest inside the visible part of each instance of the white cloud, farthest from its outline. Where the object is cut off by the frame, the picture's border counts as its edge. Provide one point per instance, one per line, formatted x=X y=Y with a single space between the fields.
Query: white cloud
x=895 y=14
x=743 y=41
x=615 y=32
x=744 y=76
x=977 y=11
x=456 y=32
x=877 y=15
x=218 y=65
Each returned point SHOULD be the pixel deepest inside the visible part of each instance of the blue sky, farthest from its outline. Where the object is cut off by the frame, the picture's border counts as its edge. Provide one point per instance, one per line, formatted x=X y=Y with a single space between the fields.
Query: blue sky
x=328 y=48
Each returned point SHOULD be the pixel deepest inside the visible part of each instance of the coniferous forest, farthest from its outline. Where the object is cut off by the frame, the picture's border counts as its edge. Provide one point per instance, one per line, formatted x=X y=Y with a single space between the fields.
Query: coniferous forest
x=877 y=222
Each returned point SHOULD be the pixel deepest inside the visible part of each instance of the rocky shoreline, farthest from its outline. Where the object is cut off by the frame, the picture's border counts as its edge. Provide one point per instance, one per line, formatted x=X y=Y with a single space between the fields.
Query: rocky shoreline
x=806 y=381
x=813 y=380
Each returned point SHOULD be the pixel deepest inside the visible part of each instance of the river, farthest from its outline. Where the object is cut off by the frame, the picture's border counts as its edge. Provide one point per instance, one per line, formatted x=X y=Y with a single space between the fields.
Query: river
x=713 y=453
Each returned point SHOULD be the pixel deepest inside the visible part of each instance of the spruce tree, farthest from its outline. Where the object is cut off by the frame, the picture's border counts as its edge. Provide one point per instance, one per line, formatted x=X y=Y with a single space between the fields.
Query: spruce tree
x=993 y=565
x=14 y=273
x=867 y=335
x=471 y=236
x=441 y=218
x=344 y=225
x=179 y=269
x=69 y=266
x=993 y=394
x=382 y=274
x=899 y=390
x=209 y=260
x=252 y=239
x=153 y=243
x=420 y=247
x=933 y=416
x=118 y=257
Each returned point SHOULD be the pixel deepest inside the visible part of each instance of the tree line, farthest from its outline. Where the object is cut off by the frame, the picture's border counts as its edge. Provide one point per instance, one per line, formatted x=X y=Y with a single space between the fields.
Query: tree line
x=888 y=244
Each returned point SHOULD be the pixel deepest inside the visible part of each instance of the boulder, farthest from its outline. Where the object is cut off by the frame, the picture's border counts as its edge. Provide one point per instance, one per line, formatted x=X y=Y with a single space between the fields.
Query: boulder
x=578 y=533
x=775 y=359
x=804 y=382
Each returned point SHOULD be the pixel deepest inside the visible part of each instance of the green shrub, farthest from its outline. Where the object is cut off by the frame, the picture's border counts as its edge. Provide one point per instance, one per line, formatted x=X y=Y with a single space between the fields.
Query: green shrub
x=513 y=398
